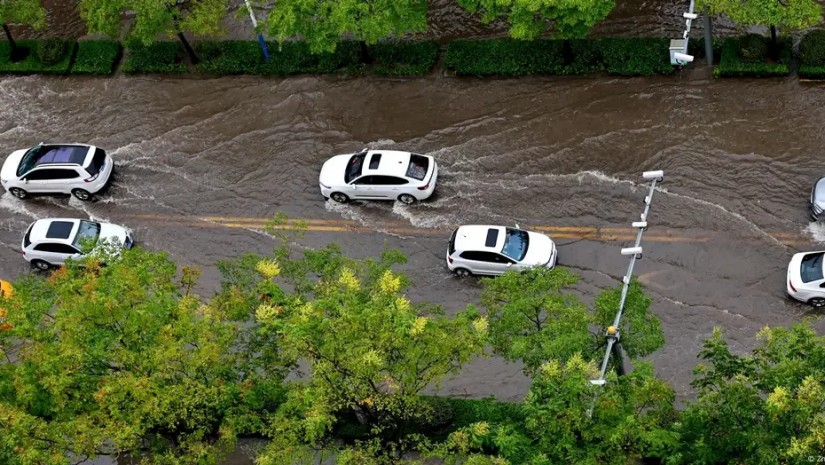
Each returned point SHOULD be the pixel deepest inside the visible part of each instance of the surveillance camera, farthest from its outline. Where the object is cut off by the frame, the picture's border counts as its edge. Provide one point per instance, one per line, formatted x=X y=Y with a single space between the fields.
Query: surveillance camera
x=657 y=175
x=631 y=251
x=690 y=15
x=640 y=224
x=683 y=57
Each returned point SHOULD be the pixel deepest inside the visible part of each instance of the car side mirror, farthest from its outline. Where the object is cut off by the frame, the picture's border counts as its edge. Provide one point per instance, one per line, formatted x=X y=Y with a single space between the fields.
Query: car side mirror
x=517 y=226
x=509 y=264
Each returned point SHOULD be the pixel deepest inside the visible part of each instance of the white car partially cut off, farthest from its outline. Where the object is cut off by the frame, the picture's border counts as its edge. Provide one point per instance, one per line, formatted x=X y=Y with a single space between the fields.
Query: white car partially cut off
x=806 y=278
x=379 y=175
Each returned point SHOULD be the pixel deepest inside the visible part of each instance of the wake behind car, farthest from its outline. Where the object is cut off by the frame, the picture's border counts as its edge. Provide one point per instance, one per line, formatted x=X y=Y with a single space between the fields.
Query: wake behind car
x=492 y=250
x=77 y=169
x=806 y=278
x=52 y=241
x=817 y=205
x=379 y=175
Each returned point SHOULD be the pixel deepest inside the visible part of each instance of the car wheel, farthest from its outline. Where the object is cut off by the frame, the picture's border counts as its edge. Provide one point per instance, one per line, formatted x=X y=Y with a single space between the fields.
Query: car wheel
x=817 y=302
x=19 y=193
x=407 y=199
x=81 y=194
x=339 y=197
x=41 y=265
x=462 y=272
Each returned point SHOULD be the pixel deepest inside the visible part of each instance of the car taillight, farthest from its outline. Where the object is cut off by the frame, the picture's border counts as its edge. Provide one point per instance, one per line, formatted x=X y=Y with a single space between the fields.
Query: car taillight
x=790 y=284
x=424 y=187
x=22 y=252
x=450 y=259
x=92 y=178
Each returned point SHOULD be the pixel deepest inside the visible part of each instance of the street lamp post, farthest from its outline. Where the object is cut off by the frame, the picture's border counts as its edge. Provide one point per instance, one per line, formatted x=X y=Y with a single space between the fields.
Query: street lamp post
x=261 y=40
x=613 y=335
x=679 y=47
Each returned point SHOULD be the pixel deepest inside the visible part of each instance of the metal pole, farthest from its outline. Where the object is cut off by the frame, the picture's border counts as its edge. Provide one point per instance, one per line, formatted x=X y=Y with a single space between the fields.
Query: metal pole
x=261 y=40
x=708 y=39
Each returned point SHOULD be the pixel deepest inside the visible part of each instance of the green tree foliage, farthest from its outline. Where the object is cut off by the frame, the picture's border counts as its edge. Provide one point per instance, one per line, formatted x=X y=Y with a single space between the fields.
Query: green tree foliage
x=119 y=359
x=764 y=408
x=785 y=14
x=22 y=12
x=534 y=319
x=529 y=19
x=322 y=23
x=370 y=353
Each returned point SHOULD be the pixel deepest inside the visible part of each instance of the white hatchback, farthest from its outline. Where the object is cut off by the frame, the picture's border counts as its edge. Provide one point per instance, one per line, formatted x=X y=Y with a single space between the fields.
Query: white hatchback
x=806 y=278
x=52 y=241
x=492 y=250
x=77 y=169
x=379 y=175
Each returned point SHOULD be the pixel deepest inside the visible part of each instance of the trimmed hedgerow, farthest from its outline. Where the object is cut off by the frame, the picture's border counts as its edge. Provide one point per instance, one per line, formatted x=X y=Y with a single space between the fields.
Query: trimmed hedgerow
x=60 y=56
x=96 y=57
x=403 y=58
x=636 y=56
x=157 y=57
x=733 y=64
x=245 y=57
x=812 y=55
x=505 y=57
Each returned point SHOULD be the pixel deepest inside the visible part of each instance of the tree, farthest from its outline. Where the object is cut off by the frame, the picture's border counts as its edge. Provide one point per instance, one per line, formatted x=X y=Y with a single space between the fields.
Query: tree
x=785 y=14
x=154 y=18
x=534 y=319
x=21 y=12
x=322 y=23
x=370 y=354
x=121 y=359
x=767 y=407
x=529 y=19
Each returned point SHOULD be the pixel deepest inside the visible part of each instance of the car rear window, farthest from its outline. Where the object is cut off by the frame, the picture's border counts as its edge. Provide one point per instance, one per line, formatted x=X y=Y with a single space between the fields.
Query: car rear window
x=811 y=269
x=98 y=160
x=354 y=167
x=418 y=167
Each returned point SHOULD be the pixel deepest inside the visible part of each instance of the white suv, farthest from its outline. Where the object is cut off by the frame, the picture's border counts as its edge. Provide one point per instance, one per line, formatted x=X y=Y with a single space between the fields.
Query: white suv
x=77 y=169
x=492 y=250
x=379 y=175
x=50 y=242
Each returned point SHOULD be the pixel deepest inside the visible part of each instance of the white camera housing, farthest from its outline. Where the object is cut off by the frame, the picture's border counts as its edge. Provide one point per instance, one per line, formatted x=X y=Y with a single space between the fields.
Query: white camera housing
x=631 y=251
x=597 y=382
x=690 y=15
x=657 y=175
x=639 y=224
x=683 y=57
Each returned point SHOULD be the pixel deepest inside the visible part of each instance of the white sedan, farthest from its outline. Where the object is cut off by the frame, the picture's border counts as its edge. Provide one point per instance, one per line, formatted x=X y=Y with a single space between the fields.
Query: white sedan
x=52 y=241
x=379 y=175
x=806 y=281
x=492 y=250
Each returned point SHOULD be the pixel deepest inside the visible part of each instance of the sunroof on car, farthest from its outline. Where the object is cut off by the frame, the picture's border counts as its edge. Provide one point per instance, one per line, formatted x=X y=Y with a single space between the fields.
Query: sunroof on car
x=63 y=154
x=59 y=230
x=492 y=238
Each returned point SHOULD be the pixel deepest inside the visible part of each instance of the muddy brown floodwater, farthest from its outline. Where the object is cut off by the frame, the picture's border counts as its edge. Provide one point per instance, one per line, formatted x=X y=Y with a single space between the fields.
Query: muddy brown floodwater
x=201 y=163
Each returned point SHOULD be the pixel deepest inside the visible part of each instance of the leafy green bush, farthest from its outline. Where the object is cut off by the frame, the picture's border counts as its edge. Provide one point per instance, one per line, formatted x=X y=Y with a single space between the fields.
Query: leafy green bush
x=732 y=64
x=32 y=63
x=583 y=57
x=636 y=57
x=505 y=57
x=753 y=48
x=158 y=57
x=812 y=72
x=246 y=57
x=469 y=411
x=96 y=57
x=51 y=51
x=404 y=58
x=812 y=48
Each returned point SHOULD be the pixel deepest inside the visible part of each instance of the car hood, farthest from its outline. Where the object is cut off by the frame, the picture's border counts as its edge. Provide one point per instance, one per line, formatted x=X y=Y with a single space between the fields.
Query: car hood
x=333 y=171
x=539 y=250
x=114 y=233
x=9 y=170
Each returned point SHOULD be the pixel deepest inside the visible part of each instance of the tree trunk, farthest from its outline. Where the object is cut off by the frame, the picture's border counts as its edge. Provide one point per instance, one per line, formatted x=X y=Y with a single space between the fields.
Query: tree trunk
x=189 y=51
x=774 y=48
x=773 y=36
x=708 y=40
x=16 y=53
x=618 y=356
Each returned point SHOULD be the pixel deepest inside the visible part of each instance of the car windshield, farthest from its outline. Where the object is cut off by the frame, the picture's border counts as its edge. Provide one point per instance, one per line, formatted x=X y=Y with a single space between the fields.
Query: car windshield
x=515 y=244
x=811 y=269
x=354 y=167
x=29 y=160
x=88 y=232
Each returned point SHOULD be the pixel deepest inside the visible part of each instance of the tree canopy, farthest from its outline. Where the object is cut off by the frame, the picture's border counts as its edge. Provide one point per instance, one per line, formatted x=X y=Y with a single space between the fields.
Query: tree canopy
x=322 y=23
x=529 y=19
x=22 y=12
x=785 y=14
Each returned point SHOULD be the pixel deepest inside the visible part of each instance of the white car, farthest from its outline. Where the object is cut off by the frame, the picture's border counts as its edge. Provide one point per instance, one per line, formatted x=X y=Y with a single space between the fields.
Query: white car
x=806 y=281
x=379 y=175
x=492 y=250
x=77 y=169
x=51 y=241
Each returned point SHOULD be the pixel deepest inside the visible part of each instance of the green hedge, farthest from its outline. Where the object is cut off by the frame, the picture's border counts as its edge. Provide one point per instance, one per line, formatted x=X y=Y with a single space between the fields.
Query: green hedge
x=158 y=57
x=812 y=72
x=468 y=411
x=96 y=57
x=507 y=57
x=245 y=57
x=733 y=64
x=32 y=64
x=403 y=58
x=812 y=55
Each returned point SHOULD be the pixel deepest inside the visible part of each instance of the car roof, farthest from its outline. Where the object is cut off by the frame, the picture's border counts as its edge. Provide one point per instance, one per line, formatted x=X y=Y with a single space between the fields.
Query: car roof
x=64 y=154
x=54 y=230
x=392 y=163
x=480 y=237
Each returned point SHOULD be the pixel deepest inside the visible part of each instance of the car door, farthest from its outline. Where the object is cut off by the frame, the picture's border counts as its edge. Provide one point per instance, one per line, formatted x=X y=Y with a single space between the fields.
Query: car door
x=38 y=180
x=392 y=186
x=496 y=262
x=54 y=180
x=365 y=188
x=55 y=253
